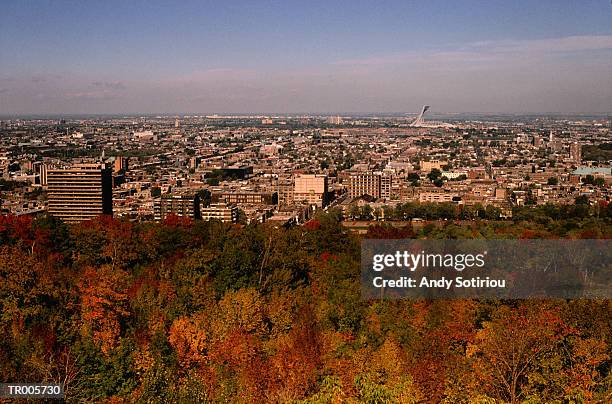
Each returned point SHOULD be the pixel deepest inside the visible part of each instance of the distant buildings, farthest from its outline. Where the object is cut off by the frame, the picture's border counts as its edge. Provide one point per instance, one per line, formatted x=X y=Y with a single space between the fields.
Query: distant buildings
x=270 y=150
x=286 y=193
x=437 y=196
x=605 y=173
x=236 y=161
x=237 y=172
x=335 y=120
x=81 y=192
x=303 y=189
x=145 y=136
x=386 y=184
x=601 y=171
x=453 y=175
x=41 y=169
x=538 y=141
x=180 y=205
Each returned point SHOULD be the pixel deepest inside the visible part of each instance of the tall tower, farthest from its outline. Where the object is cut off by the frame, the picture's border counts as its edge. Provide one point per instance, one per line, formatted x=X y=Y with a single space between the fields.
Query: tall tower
x=419 y=121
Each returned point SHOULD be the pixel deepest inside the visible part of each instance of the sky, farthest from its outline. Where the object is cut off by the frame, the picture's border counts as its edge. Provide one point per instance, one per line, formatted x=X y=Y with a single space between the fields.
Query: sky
x=249 y=56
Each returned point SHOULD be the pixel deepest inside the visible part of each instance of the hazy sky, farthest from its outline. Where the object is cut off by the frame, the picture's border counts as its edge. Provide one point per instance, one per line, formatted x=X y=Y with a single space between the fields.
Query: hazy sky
x=288 y=56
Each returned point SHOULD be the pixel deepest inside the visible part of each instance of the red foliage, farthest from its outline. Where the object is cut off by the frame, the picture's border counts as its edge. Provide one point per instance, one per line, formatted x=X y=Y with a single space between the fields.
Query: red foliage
x=42 y=332
x=148 y=279
x=528 y=234
x=312 y=225
x=298 y=358
x=326 y=256
x=389 y=232
x=178 y=221
x=18 y=228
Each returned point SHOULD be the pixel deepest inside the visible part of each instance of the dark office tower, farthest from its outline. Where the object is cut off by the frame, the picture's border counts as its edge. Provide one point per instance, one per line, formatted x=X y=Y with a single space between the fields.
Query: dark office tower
x=81 y=192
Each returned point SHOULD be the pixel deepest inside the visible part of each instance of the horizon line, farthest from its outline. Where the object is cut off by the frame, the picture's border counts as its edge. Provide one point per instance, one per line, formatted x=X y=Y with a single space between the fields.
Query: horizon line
x=297 y=113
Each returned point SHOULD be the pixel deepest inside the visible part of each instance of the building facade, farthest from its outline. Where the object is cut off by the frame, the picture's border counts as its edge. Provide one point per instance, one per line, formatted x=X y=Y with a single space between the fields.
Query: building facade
x=386 y=185
x=81 y=192
x=365 y=184
x=176 y=204
x=427 y=166
x=220 y=211
x=311 y=189
x=246 y=198
x=120 y=164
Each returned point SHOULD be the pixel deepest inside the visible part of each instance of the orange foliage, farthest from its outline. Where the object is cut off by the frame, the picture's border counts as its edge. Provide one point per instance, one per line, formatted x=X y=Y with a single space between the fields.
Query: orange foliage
x=103 y=304
x=298 y=358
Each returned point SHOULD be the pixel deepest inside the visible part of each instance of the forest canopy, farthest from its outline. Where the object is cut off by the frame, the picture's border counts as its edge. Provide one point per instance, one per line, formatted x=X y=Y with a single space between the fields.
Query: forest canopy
x=211 y=312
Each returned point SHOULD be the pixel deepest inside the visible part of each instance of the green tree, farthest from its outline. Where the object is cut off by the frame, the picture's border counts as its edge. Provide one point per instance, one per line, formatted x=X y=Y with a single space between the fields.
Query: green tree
x=434 y=174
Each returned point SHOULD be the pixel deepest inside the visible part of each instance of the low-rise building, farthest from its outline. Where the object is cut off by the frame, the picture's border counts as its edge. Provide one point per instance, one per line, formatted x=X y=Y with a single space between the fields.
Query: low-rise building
x=220 y=211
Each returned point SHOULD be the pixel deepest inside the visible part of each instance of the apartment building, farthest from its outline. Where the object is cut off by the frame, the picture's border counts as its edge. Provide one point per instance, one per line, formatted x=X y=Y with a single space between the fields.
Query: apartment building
x=311 y=189
x=183 y=205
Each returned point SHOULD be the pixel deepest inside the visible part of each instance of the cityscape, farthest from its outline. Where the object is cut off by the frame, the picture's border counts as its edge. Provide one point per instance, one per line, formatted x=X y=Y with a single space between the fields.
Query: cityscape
x=323 y=202
x=281 y=169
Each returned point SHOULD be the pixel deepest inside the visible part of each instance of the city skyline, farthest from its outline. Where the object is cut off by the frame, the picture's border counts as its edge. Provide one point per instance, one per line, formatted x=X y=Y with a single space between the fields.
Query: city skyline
x=494 y=57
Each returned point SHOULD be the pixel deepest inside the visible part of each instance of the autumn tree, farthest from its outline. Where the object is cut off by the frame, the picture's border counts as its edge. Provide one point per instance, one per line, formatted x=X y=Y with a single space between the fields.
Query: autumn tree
x=103 y=304
x=512 y=345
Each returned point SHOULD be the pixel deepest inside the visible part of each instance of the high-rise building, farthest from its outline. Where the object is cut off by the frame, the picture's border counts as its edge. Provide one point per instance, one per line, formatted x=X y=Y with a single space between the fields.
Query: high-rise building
x=576 y=152
x=81 y=192
x=311 y=188
x=365 y=184
x=386 y=184
x=183 y=205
